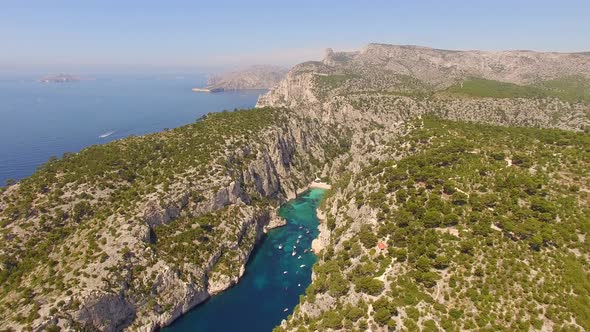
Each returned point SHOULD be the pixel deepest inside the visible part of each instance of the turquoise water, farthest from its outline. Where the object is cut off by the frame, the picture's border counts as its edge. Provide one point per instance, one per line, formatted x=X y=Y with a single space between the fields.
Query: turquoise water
x=259 y=300
x=38 y=120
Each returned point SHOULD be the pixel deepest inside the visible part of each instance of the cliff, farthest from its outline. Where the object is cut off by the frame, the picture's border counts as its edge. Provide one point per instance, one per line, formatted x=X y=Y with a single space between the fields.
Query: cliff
x=133 y=233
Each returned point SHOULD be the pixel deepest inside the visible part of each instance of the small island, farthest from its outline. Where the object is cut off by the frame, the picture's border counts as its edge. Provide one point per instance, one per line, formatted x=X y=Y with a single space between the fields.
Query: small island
x=210 y=90
x=60 y=78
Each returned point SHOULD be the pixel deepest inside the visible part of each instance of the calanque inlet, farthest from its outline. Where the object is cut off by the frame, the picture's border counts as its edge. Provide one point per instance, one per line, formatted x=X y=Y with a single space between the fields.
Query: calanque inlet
x=277 y=273
x=459 y=200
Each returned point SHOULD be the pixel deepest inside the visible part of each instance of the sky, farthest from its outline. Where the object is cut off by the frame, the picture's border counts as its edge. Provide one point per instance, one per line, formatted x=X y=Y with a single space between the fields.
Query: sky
x=124 y=34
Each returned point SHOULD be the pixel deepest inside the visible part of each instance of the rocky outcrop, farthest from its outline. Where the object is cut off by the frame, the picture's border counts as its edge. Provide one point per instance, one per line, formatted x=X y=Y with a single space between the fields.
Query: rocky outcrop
x=275 y=221
x=296 y=89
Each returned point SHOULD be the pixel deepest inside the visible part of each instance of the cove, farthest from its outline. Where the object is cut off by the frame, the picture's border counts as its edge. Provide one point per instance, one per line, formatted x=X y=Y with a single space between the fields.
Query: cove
x=265 y=294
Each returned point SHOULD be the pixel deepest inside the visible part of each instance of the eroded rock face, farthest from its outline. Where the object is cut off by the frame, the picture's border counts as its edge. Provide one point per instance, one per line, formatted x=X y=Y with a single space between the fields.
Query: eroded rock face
x=106 y=312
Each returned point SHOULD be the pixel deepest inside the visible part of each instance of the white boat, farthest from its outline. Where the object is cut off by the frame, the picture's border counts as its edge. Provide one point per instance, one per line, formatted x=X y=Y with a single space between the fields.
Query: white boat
x=302 y=265
x=297 y=240
x=286 y=309
x=285 y=272
x=280 y=246
x=298 y=285
x=299 y=257
x=293 y=253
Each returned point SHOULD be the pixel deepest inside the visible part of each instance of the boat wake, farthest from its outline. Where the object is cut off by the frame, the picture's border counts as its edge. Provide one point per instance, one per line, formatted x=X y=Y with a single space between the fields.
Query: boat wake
x=107 y=134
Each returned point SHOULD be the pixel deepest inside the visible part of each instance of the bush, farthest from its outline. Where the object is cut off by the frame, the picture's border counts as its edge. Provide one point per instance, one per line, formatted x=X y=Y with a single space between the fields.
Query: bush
x=382 y=316
x=432 y=219
x=368 y=237
x=332 y=320
x=369 y=285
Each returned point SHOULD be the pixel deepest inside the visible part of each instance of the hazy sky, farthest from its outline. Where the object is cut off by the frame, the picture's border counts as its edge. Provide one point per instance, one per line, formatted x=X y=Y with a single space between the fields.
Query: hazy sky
x=175 y=33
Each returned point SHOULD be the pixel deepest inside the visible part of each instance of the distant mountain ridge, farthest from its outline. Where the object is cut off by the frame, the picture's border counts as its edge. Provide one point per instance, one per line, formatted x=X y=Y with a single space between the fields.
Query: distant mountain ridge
x=523 y=88
x=440 y=68
x=254 y=77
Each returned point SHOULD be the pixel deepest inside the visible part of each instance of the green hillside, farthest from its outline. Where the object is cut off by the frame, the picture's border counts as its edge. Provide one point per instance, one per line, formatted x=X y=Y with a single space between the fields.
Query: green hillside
x=485 y=229
x=571 y=89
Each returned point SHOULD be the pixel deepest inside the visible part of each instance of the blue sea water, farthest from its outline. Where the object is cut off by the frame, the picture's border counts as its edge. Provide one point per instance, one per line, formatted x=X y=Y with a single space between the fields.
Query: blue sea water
x=39 y=120
x=265 y=295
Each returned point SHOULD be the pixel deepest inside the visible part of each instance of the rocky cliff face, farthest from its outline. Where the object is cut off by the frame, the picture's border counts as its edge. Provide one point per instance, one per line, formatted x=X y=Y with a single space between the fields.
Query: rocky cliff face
x=182 y=240
x=272 y=171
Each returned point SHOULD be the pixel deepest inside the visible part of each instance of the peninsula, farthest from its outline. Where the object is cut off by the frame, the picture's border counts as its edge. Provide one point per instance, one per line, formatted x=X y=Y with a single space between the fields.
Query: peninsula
x=251 y=78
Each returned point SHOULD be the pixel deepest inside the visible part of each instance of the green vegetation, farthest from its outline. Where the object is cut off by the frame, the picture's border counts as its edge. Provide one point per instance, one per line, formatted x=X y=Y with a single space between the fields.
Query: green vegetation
x=572 y=89
x=485 y=226
x=325 y=84
x=65 y=216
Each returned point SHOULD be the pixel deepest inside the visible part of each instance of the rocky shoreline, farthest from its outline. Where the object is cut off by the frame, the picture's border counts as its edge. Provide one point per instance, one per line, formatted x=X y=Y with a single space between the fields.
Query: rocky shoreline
x=225 y=283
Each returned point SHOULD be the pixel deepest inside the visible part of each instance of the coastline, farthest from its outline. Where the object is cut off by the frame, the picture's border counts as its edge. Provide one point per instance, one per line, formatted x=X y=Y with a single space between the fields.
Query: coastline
x=312 y=185
x=274 y=221
x=320 y=185
x=323 y=238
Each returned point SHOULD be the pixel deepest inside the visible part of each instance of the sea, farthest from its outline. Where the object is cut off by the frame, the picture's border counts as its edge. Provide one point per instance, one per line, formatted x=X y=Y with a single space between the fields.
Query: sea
x=40 y=120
